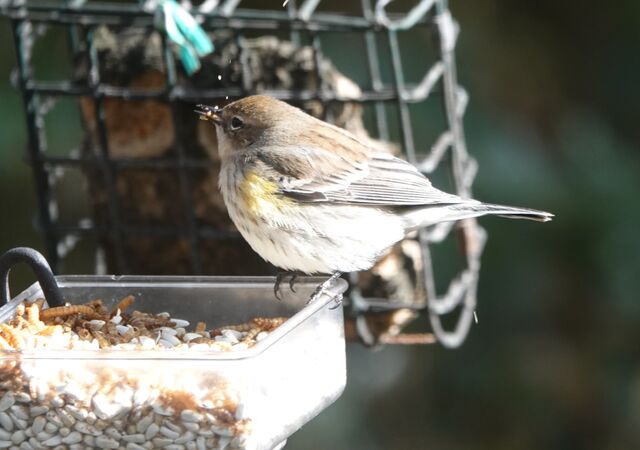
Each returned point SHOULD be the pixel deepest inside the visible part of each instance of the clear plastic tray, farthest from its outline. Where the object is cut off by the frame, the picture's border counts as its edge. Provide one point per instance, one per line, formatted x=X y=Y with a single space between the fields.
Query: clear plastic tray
x=275 y=386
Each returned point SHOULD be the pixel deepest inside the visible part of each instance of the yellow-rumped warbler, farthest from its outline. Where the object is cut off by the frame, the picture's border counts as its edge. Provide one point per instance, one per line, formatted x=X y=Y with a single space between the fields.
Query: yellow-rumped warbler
x=313 y=198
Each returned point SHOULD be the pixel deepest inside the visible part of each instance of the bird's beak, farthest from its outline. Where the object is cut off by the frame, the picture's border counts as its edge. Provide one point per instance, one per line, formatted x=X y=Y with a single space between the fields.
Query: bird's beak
x=211 y=113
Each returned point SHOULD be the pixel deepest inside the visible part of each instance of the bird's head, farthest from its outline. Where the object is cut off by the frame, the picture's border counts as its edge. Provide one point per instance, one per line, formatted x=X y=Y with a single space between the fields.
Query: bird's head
x=253 y=121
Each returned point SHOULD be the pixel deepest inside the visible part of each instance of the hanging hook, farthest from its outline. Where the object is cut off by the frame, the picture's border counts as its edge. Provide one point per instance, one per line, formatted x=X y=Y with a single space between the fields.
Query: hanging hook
x=40 y=267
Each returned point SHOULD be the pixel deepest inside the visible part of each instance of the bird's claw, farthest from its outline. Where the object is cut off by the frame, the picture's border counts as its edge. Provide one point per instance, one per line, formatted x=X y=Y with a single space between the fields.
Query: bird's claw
x=292 y=282
x=276 y=290
x=279 y=278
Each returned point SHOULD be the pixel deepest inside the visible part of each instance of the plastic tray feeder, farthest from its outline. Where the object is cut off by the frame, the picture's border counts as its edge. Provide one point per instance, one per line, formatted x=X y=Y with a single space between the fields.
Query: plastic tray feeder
x=271 y=389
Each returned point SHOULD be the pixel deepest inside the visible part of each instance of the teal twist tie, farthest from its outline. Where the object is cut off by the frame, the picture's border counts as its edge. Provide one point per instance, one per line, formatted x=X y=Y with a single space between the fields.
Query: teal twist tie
x=185 y=32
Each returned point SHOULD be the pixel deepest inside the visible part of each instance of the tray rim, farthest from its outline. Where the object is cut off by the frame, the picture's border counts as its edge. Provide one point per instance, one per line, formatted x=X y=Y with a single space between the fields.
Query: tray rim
x=335 y=290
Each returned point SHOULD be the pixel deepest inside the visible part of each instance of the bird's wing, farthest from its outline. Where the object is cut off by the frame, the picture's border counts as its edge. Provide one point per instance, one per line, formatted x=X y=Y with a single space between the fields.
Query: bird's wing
x=312 y=174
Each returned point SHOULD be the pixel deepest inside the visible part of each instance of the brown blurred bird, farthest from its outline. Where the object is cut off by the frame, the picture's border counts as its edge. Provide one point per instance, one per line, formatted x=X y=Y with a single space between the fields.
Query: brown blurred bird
x=311 y=197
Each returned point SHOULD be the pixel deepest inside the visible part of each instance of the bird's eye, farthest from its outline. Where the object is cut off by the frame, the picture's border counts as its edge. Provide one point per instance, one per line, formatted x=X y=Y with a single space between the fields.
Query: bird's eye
x=236 y=123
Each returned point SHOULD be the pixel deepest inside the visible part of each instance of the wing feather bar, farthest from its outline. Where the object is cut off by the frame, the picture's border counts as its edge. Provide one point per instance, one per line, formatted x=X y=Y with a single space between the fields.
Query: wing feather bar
x=387 y=180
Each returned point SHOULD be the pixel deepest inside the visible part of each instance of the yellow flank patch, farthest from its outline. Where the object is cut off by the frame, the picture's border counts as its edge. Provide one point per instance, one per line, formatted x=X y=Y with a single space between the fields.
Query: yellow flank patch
x=260 y=196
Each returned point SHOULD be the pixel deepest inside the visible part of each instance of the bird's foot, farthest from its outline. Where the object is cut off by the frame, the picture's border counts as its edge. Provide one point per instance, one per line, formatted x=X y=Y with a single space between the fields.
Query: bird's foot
x=324 y=286
x=280 y=277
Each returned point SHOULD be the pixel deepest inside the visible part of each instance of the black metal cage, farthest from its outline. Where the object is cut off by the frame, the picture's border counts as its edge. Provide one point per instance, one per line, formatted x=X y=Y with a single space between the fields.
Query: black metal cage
x=385 y=92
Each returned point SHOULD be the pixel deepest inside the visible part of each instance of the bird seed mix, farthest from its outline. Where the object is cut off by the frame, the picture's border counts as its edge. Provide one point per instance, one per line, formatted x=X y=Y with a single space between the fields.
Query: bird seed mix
x=73 y=405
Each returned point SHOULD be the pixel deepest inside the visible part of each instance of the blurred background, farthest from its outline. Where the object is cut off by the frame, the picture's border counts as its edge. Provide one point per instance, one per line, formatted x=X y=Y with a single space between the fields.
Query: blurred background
x=553 y=361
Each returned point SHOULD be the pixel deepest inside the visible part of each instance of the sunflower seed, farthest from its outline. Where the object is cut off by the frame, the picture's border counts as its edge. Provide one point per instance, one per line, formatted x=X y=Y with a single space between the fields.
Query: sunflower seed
x=188 y=436
x=25 y=446
x=72 y=438
x=5 y=421
x=161 y=442
x=20 y=412
x=35 y=444
x=85 y=428
x=38 y=424
x=77 y=413
x=169 y=433
x=53 y=441
x=152 y=430
x=133 y=446
x=223 y=442
x=190 y=336
x=172 y=426
x=166 y=331
x=191 y=426
x=20 y=423
x=96 y=324
x=116 y=319
x=37 y=410
x=103 y=408
x=63 y=418
x=168 y=411
x=106 y=442
x=43 y=436
x=144 y=423
x=173 y=341
x=7 y=401
x=123 y=329
x=134 y=438
x=22 y=397
x=189 y=415
x=180 y=322
x=260 y=336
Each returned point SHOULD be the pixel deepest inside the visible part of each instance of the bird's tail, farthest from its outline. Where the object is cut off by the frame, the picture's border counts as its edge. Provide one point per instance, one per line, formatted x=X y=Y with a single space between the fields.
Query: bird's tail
x=431 y=215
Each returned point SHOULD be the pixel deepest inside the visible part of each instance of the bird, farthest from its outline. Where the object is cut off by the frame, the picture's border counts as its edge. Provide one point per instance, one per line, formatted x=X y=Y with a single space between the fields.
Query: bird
x=310 y=197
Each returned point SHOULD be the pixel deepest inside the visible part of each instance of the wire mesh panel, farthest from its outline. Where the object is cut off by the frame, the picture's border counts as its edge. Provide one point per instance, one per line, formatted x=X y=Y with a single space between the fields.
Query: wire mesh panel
x=148 y=167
